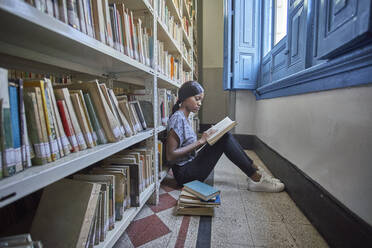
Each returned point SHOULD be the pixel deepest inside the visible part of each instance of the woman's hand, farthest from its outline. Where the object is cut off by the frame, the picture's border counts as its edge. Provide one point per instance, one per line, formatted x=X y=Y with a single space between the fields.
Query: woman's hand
x=206 y=135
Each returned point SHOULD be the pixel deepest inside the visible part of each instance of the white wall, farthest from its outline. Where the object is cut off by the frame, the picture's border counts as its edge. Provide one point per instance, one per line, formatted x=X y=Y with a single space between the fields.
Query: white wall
x=215 y=97
x=328 y=135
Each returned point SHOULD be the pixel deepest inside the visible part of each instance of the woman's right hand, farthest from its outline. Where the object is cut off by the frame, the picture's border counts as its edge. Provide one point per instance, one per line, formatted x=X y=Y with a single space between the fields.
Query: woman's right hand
x=206 y=135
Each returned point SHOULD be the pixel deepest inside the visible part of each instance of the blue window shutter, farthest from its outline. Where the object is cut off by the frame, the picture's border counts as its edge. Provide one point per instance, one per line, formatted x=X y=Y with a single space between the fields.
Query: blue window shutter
x=227 y=49
x=246 y=44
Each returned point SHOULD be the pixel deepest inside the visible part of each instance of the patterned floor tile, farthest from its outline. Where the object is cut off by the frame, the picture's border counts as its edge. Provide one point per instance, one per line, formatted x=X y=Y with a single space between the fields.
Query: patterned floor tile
x=165 y=201
x=147 y=229
x=145 y=211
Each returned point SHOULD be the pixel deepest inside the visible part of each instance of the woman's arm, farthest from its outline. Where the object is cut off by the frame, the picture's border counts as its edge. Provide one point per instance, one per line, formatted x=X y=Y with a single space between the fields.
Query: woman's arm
x=173 y=153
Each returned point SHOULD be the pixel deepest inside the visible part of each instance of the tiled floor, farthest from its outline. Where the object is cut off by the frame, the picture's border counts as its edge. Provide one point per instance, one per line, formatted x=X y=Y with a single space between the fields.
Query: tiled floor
x=244 y=219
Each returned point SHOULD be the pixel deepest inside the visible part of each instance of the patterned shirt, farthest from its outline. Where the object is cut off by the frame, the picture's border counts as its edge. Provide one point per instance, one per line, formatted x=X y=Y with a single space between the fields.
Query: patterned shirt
x=182 y=127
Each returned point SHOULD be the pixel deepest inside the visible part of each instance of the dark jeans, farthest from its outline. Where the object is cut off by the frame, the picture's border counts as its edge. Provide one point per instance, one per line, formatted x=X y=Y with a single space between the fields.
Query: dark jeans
x=206 y=160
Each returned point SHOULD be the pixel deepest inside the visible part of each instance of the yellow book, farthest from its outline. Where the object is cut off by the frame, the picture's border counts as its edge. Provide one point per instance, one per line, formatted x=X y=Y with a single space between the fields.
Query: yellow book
x=45 y=141
x=221 y=128
x=54 y=151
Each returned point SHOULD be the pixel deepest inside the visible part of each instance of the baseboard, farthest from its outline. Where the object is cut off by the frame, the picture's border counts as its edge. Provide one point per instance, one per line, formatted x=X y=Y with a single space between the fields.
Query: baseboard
x=339 y=226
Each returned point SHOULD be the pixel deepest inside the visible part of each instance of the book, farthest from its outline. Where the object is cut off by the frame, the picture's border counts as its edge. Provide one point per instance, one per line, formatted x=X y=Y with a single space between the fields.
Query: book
x=121 y=117
x=101 y=138
x=119 y=187
x=64 y=94
x=221 y=128
x=189 y=200
x=36 y=136
x=107 y=119
x=139 y=113
x=201 y=190
x=82 y=120
x=67 y=125
x=66 y=147
x=49 y=124
x=199 y=211
x=65 y=213
x=14 y=113
x=110 y=181
x=41 y=120
x=25 y=142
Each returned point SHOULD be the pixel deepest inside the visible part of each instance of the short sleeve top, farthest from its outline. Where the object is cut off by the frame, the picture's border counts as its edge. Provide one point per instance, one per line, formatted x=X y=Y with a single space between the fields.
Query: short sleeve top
x=182 y=127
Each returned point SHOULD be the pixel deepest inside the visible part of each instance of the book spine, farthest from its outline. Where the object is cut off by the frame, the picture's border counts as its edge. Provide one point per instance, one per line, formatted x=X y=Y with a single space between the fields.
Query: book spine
x=57 y=144
x=36 y=137
x=7 y=135
x=66 y=147
x=95 y=122
x=26 y=154
x=62 y=8
x=67 y=126
x=42 y=123
x=14 y=112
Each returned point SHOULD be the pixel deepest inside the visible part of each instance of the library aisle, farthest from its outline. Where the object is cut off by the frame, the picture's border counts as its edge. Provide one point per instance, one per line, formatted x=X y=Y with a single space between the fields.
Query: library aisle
x=244 y=219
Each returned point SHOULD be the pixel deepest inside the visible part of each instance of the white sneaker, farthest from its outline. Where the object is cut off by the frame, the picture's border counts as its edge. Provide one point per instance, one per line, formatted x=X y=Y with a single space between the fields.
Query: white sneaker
x=262 y=172
x=266 y=184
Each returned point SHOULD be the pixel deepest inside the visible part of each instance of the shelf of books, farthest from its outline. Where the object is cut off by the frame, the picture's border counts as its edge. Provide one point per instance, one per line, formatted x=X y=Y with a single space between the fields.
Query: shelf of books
x=129 y=215
x=38 y=37
x=65 y=125
x=21 y=184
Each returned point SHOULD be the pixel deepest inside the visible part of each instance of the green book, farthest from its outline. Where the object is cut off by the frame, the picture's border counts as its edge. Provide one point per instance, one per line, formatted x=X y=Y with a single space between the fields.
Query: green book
x=8 y=155
x=36 y=138
x=101 y=138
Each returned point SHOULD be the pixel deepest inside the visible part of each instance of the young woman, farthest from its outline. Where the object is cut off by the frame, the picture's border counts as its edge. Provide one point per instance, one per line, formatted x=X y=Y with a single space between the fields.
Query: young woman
x=182 y=143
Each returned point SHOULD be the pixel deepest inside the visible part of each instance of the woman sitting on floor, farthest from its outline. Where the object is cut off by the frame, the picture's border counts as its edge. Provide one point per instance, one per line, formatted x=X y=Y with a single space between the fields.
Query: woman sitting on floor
x=182 y=143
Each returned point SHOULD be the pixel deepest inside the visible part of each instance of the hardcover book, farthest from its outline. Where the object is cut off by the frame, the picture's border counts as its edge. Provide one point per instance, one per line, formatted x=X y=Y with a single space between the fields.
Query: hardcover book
x=221 y=128
x=201 y=190
x=65 y=213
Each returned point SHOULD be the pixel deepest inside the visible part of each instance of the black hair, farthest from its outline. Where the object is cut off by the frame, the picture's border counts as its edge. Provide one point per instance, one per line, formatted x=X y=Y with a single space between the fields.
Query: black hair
x=189 y=88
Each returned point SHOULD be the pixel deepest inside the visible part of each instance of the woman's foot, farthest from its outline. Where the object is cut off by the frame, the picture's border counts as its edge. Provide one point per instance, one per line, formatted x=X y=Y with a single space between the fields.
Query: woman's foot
x=265 y=184
x=262 y=172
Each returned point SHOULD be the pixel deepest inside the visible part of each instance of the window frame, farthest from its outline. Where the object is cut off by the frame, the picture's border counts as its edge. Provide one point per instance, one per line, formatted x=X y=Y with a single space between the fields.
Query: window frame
x=351 y=67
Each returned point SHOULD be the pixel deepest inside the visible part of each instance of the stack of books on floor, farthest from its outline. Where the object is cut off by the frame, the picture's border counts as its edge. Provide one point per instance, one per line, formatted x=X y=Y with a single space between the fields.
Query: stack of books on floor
x=20 y=241
x=198 y=198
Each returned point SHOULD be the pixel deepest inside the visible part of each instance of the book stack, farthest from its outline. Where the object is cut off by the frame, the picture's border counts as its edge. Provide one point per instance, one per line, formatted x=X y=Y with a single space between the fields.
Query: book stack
x=198 y=198
x=20 y=241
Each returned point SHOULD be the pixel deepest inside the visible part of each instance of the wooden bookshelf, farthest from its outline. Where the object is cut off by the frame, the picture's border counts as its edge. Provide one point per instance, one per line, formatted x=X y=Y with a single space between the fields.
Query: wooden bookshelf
x=34 y=41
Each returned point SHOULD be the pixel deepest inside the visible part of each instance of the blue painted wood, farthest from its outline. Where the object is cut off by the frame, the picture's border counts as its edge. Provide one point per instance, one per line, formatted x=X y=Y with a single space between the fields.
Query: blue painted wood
x=352 y=69
x=342 y=26
x=246 y=44
x=227 y=70
x=297 y=36
x=279 y=59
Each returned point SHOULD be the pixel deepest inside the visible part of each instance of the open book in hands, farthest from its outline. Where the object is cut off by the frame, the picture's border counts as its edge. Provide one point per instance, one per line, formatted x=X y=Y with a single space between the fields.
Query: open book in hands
x=220 y=129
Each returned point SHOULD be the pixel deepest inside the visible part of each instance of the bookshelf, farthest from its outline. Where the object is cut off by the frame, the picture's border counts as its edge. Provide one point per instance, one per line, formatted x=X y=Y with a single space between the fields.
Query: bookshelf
x=37 y=42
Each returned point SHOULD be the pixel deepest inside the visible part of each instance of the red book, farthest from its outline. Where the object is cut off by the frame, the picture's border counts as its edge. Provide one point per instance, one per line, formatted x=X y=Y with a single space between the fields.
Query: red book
x=67 y=125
